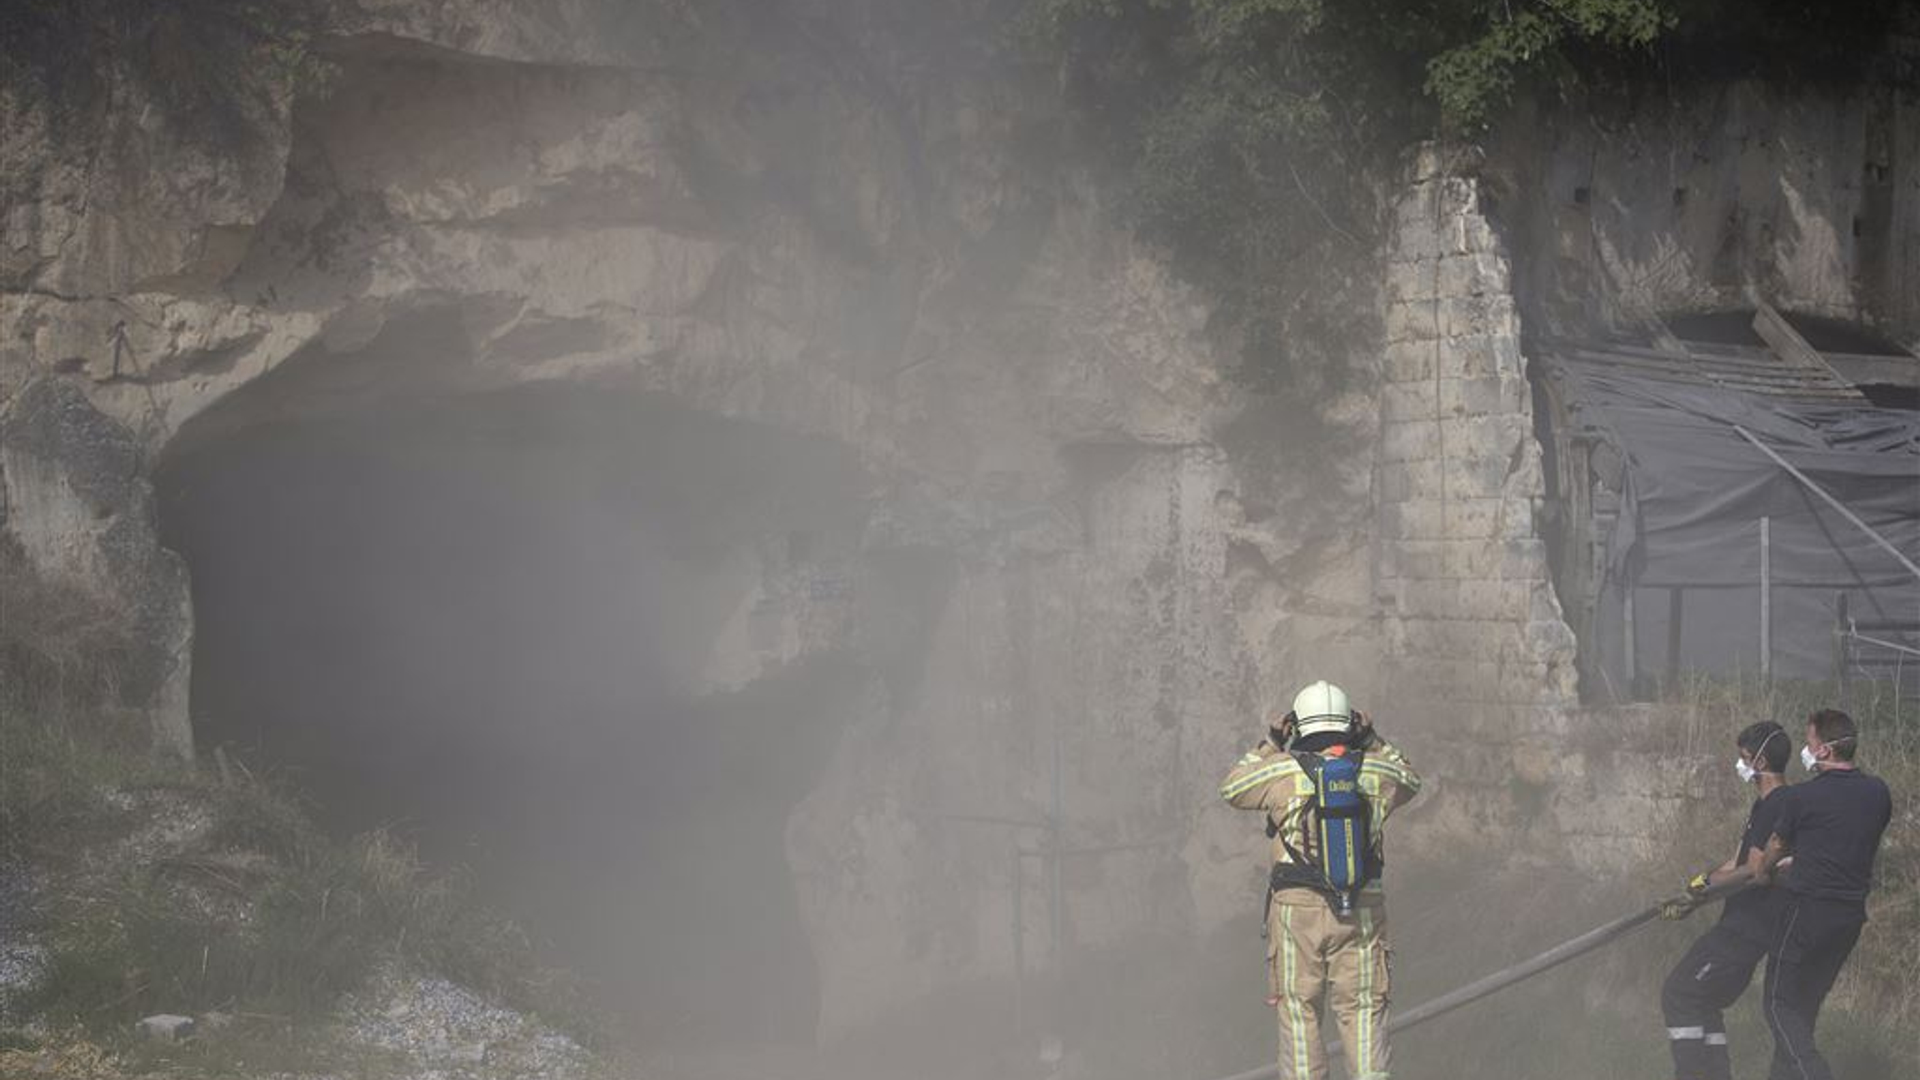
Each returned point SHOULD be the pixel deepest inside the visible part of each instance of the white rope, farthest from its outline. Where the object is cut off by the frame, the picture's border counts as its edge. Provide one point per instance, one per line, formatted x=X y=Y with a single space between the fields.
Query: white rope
x=1830 y=500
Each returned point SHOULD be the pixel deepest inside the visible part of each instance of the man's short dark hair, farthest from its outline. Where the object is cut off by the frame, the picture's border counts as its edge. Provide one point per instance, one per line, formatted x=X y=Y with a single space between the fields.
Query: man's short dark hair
x=1770 y=741
x=1837 y=730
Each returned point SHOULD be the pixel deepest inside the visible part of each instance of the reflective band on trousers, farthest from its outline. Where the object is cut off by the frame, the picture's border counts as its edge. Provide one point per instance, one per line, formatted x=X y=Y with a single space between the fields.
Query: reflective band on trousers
x=1677 y=1034
x=1716 y=1038
x=1301 y=1061
x=1363 y=1024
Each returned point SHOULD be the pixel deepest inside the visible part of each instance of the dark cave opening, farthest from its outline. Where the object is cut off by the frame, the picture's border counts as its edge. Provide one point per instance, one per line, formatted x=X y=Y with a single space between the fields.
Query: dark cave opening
x=483 y=621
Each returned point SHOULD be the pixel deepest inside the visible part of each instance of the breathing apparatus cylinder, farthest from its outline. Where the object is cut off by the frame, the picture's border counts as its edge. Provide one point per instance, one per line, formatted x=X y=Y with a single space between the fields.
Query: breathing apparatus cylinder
x=1342 y=819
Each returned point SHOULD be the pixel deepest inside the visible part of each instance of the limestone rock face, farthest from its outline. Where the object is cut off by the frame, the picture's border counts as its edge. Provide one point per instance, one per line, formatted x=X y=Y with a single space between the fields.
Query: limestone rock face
x=1806 y=198
x=1084 y=560
x=487 y=197
x=131 y=175
x=77 y=507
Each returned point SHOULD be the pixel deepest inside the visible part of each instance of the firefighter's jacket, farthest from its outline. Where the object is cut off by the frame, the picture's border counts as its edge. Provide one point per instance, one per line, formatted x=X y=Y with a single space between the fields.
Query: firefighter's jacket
x=1269 y=779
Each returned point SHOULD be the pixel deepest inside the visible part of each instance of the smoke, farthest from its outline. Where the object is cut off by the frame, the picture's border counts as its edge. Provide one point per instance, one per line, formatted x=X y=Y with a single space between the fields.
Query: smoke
x=483 y=622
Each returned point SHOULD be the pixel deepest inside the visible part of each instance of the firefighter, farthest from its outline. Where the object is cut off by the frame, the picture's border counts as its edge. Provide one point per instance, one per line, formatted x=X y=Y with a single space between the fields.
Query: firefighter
x=1326 y=782
x=1715 y=971
x=1831 y=826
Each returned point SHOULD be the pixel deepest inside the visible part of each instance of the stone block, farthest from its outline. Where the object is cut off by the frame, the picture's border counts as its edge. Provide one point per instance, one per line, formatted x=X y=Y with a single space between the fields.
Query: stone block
x=1524 y=558
x=1428 y=598
x=1550 y=639
x=1395 y=481
x=1520 y=560
x=1518 y=521
x=1440 y=475
x=1418 y=206
x=1476 y=355
x=1447 y=681
x=1470 y=518
x=1411 y=361
x=1417 y=400
x=1481 y=395
x=1463 y=639
x=1415 y=242
x=1419 y=281
x=1493 y=599
x=1443 y=519
x=1487 y=437
x=1410 y=440
x=1477 y=477
x=1479 y=234
x=1488 y=600
x=1414 y=320
x=1471 y=316
x=1454 y=277
x=1414 y=519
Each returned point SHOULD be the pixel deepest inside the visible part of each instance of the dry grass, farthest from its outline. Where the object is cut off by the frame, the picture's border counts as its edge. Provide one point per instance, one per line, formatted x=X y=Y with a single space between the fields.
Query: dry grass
x=249 y=909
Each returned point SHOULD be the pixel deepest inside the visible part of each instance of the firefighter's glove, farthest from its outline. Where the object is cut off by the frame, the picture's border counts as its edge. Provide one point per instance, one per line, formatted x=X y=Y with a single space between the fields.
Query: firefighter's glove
x=1678 y=907
x=1282 y=729
x=1697 y=885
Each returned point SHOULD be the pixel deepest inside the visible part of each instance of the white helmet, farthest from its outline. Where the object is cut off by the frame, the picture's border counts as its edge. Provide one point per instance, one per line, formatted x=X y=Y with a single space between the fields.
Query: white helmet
x=1322 y=707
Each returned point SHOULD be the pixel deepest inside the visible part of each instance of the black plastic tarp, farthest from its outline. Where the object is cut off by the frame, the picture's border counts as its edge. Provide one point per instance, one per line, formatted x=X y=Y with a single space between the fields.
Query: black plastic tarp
x=1686 y=544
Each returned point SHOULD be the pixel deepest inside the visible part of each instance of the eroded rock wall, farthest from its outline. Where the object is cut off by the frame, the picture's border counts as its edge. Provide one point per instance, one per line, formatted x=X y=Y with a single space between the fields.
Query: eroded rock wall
x=1713 y=195
x=1058 y=571
x=1064 y=550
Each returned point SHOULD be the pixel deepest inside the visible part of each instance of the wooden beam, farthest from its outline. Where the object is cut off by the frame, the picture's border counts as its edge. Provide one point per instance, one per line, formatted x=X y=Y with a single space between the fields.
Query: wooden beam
x=1788 y=345
x=1885 y=370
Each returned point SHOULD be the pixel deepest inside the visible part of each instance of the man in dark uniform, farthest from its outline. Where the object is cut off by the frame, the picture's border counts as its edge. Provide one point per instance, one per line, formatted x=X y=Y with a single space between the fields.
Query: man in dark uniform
x=1716 y=970
x=1831 y=825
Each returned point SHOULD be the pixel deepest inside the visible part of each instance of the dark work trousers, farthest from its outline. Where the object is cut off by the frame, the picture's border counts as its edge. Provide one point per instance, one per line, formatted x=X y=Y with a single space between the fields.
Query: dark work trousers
x=1709 y=978
x=1811 y=944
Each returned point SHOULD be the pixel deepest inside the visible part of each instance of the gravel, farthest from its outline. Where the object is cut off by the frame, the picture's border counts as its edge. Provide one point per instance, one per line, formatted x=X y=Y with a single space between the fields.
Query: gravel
x=451 y=1033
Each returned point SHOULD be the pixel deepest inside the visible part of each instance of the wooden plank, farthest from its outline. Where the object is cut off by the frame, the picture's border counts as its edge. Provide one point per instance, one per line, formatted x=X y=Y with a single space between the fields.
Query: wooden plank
x=1882 y=370
x=1787 y=343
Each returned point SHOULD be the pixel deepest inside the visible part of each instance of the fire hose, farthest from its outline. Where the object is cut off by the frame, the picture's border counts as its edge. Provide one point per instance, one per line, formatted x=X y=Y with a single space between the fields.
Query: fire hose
x=1596 y=938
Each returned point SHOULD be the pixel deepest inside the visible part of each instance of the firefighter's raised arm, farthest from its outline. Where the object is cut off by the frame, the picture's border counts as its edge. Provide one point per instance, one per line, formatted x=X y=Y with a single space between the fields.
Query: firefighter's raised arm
x=1383 y=759
x=1249 y=784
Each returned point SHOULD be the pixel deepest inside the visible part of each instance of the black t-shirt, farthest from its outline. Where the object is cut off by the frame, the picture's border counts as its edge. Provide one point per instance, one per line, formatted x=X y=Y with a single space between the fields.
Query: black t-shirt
x=1832 y=824
x=1751 y=912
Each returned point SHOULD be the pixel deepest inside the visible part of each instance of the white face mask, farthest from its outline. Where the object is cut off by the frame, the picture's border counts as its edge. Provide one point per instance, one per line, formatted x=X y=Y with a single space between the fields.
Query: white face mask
x=1807 y=758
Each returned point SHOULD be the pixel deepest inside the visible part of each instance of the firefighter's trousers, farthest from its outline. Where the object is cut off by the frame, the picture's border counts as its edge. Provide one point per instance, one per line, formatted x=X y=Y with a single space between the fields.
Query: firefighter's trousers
x=1707 y=980
x=1321 y=962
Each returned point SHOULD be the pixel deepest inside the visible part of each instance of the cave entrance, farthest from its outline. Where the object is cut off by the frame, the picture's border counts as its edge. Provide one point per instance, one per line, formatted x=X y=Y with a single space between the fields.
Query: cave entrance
x=575 y=641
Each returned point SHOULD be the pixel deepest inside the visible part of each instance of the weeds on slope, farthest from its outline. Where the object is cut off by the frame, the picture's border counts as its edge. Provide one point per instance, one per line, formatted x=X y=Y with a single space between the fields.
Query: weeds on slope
x=162 y=885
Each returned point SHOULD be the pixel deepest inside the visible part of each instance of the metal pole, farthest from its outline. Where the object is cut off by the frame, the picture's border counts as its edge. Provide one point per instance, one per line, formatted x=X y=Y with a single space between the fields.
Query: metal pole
x=1843 y=650
x=1766 y=597
x=1676 y=608
x=1056 y=899
x=1019 y=946
x=1631 y=646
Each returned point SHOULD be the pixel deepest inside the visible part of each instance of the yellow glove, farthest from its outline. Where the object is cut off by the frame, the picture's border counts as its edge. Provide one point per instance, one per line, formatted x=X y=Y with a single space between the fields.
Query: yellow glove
x=1697 y=885
x=1677 y=908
